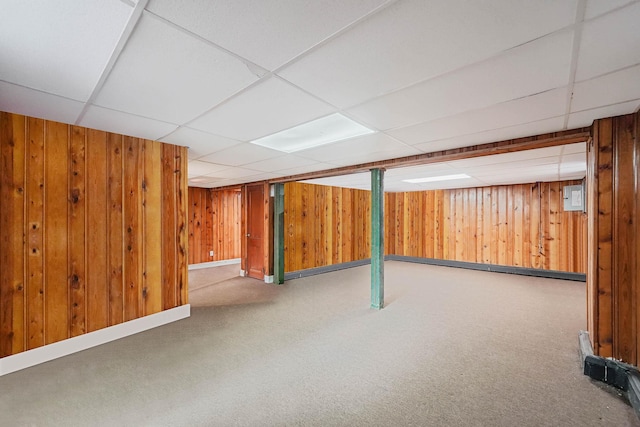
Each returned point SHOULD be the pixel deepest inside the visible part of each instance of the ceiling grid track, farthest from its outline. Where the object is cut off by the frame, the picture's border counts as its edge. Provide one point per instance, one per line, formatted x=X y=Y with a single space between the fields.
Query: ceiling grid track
x=122 y=42
x=575 y=52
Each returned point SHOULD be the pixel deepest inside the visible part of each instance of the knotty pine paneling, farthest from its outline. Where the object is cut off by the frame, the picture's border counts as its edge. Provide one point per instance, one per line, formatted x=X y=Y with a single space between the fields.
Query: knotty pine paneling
x=92 y=230
x=214 y=224
x=613 y=278
x=325 y=225
x=517 y=225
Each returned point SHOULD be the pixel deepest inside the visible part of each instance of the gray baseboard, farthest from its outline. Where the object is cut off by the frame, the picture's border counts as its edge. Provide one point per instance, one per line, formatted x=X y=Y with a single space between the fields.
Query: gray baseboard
x=551 y=274
x=325 y=269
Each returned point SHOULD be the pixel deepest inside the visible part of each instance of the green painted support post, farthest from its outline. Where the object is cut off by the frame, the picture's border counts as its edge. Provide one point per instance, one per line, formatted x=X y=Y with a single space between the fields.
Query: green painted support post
x=278 y=234
x=377 y=238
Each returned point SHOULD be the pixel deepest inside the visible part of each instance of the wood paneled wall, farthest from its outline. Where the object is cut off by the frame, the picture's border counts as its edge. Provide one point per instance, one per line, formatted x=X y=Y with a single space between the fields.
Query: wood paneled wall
x=93 y=230
x=613 y=277
x=518 y=225
x=214 y=224
x=325 y=225
x=515 y=225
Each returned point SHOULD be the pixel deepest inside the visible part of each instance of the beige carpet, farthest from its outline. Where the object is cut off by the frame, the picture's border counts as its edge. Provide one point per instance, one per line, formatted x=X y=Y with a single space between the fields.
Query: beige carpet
x=452 y=348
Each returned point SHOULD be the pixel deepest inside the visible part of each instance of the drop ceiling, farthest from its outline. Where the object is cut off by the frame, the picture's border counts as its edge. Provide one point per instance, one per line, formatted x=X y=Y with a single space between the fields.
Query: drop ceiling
x=424 y=75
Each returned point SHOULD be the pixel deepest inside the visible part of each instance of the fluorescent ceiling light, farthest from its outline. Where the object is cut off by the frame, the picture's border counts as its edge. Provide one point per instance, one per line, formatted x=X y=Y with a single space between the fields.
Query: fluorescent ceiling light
x=325 y=130
x=437 y=178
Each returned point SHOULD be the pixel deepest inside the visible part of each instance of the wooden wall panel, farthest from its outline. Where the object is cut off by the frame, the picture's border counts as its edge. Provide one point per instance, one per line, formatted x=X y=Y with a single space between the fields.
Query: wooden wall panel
x=613 y=278
x=325 y=225
x=492 y=225
x=214 y=224
x=520 y=225
x=82 y=219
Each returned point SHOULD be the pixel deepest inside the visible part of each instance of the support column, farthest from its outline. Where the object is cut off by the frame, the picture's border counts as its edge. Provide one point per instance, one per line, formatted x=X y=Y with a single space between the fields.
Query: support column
x=377 y=238
x=278 y=234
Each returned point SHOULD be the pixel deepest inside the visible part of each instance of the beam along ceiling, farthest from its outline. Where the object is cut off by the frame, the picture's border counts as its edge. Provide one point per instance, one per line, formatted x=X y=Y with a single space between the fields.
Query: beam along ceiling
x=423 y=75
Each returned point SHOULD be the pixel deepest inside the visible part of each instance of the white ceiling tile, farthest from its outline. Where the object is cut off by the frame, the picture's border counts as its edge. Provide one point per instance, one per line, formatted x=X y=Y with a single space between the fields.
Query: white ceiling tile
x=199 y=143
x=232 y=173
x=414 y=40
x=516 y=156
x=579 y=147
x=444 y=185
x=516 y=168
x=609 y=43
x=360 y=181
x=368 y=148
x=168 y=75
x=598 y=7
x=268 y=33
x=574 y=158
x=199 y=168
x=59 y=47
x=125 y=124
x=270 y=106
x=613 y=88
x=204 y=181
x=494 y=135
x=532 y=108
x=514 y=74
x=419 y=171
x=29 y=102
x=241 y=154
x=286 y=161
x=305 y=169
x=586 y=118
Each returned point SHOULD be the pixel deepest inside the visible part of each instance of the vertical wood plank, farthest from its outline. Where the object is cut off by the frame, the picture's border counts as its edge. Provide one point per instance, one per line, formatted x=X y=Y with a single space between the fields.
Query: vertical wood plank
x=77 y=232
x=502 y=225
x=132 y=228
x=115 y=235
x=56 y=216
x=169 y=228
x=487 y=225
x=624 y=341
x=13 y=147
x=35 y=236
x=182 y=248
x=97 y=205
x=605 y=230
x=152 y=214
x=447 y=229
x=517 y=225
x=439 y=220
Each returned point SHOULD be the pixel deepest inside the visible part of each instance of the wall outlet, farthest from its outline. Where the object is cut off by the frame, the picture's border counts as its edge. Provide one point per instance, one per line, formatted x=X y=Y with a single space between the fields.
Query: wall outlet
x=210 y=253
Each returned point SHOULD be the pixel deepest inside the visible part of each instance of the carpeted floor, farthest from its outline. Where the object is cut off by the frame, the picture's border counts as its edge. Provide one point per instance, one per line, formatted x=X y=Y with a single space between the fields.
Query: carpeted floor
x=452 y=348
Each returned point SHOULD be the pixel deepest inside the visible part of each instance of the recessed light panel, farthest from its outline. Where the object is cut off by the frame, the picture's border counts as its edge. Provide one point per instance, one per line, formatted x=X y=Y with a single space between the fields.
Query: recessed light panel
x=325 y=130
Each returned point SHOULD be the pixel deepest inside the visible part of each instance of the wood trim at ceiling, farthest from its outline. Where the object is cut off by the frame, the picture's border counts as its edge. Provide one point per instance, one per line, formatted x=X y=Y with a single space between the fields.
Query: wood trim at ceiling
x=501 y=147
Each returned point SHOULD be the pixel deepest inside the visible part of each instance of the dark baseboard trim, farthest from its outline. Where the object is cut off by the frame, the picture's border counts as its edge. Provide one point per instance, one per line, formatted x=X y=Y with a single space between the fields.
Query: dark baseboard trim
x=325 y=269
x=551 y=274
x=610 y=371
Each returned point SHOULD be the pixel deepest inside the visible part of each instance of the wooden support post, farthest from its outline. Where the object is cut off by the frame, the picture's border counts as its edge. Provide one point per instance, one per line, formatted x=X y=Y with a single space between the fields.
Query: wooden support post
x=377 y=238
x=278 y=234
